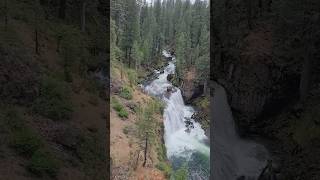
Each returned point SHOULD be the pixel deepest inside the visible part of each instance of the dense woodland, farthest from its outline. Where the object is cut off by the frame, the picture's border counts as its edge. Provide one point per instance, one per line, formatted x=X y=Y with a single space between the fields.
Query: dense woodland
x=140 y=31
x=266 y=54
x=52 y=103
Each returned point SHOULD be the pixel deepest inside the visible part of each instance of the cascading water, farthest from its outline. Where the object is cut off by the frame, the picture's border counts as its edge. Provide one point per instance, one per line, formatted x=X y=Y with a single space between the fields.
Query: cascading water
x=233 y=158
x=185 y=146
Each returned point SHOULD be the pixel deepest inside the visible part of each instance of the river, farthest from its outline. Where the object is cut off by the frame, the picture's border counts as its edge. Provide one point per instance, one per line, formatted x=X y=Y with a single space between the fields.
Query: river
x=184 y=138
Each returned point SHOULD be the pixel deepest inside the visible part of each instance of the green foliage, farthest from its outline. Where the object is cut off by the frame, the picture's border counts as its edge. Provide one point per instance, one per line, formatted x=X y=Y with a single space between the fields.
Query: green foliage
x=54 y=100
x=165 y=167
x=91 y=152
x=147 y=124
x=25 y=141
x=28 y=143
x=132 y=76
x=43 y=162
x=22 y=138
x=157 y=106
x=116 y=105
x=123 y=113
x=126 y=92
x=180 y=174
x=203 y=102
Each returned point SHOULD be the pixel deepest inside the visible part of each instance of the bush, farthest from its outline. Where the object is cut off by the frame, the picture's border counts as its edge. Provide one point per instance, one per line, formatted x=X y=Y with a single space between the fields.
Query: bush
x=43 y=162
x=126 y=93
x=157 y=105
x=54 y=100
x=123 y=113
x=116 y=104
x=91 y=151
x=132 y=76
x=119 y=108
x=165 y=167
x=126 y=130
x=25 y=141
x=181 y=173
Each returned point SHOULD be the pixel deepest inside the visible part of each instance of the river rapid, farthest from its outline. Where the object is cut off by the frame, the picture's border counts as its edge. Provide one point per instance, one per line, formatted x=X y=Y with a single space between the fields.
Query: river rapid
x=184 y=138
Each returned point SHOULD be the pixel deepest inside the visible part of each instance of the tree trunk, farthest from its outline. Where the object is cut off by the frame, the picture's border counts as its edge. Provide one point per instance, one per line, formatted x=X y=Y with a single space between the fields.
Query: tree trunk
x=269 y=5
x=305 y=78
x=129 y=58
x=260 y=7
x=62 y=9
x=83 y=17
x=249 y=13
x=121 y=70
x=58 y=43
x=36 y=41
x=145 y=151
x=6 y=15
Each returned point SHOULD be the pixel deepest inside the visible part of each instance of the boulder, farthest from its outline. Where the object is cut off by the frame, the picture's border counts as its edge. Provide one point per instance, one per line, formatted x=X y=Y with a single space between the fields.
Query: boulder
x=170 y=77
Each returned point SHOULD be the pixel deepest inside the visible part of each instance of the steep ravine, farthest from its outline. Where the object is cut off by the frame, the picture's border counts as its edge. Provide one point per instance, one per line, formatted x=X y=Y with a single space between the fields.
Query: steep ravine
x=263 y=94
x=184 y=138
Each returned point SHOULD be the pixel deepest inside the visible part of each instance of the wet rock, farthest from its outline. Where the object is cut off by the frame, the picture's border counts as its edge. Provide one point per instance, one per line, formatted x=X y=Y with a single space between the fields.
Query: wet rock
x=170 y=77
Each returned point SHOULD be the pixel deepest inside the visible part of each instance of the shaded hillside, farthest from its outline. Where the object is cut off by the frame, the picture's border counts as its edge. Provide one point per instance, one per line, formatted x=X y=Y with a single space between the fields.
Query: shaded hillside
x=265 y=55
x=52 y=108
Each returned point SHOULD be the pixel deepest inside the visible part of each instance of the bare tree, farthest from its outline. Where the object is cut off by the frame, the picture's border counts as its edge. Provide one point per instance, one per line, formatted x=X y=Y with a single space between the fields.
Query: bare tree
x=83 y=16
x=145 y=151
x=62 y=9
x=6 y=14
x=248 y=4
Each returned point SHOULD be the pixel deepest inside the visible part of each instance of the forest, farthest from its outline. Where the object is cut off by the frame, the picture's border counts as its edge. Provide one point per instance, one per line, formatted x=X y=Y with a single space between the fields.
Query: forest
x=139 y=33
x=157 y=49
x=53 y=64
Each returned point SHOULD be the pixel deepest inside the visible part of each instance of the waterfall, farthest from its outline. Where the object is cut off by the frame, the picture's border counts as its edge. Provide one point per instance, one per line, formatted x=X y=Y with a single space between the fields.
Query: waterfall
x=233 y=157
x=182 y=143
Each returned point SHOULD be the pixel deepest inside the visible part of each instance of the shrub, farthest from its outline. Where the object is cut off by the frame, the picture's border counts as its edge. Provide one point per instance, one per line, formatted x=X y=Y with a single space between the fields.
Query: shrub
x=126 y=93
x=54 y=100
x=25 y=141
x=157 y=106
x=43 y=162
x=91 y=151
x=116 y=104
x=165 y=167
x=119 y=108
x=181 y=173
x=132 y=76
x=126 y=130
x=123 y=113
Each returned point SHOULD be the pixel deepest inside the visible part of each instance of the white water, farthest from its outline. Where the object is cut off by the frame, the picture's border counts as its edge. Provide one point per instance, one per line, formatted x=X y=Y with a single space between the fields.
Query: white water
x=232 y=156
x=178 y=142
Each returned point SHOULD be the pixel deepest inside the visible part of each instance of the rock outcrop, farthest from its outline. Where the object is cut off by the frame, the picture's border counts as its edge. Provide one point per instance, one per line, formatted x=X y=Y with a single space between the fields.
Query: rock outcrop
x=257 y=86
